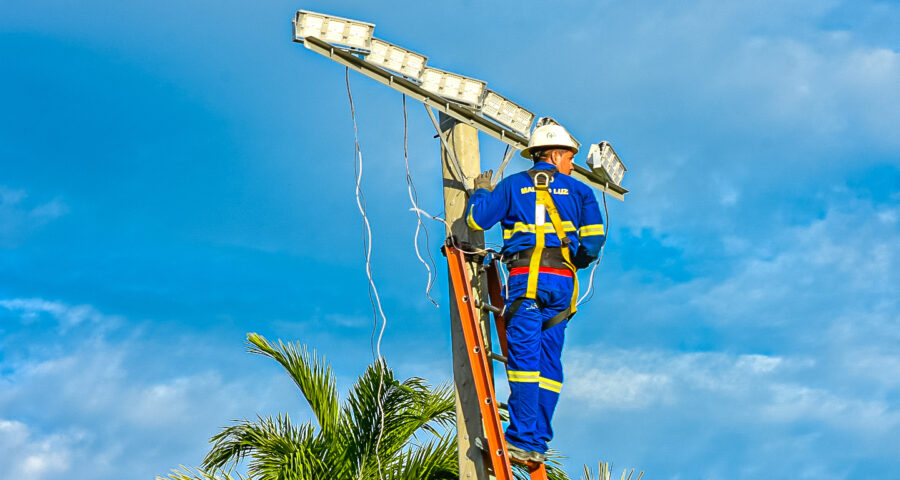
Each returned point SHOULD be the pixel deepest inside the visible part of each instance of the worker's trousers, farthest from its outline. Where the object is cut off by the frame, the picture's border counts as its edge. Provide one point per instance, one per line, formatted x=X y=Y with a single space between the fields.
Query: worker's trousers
x=534 y=368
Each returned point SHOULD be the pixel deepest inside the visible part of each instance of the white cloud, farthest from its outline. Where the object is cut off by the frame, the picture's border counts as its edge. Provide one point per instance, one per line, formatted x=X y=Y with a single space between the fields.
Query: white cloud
x=17 y=219
x=68 y=316
x=793 y=403
x=126 y=406
x=849 y=260
x=30 y=457
x=733 y=389
x=633 y=379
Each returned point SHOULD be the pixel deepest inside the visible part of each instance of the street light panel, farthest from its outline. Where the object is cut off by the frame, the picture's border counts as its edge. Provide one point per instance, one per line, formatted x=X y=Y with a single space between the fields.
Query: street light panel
x=397 y=59
x=507 y=113
x=604 y=161
x=454 y=87
x=335 y=30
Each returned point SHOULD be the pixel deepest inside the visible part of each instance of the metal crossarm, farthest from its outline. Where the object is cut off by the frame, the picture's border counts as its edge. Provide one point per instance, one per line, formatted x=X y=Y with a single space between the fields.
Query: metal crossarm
x=463 y=114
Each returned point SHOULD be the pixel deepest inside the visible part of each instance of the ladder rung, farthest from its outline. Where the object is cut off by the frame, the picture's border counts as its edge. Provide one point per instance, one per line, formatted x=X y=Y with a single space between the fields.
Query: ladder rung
x=498 y=357
x=489 y=307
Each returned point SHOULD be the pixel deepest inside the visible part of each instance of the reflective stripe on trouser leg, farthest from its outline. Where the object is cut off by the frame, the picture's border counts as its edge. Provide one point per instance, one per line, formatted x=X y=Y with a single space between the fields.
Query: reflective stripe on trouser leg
x=523 y=334
x=550 y=380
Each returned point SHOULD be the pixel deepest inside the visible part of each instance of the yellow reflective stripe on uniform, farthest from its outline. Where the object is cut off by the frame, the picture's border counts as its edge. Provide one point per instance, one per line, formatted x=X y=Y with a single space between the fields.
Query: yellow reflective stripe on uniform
x=471 y=220
x=520 y=227
x=551 y=385
x=524 y=377
x=589 y=230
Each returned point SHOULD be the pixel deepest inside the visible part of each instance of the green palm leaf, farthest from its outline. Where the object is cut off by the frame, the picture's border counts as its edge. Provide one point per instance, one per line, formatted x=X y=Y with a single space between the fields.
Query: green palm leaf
x=314 y=377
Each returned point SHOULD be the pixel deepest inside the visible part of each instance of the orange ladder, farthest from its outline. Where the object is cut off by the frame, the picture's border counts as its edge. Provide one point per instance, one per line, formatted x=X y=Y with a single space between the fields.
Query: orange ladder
x=479 y=358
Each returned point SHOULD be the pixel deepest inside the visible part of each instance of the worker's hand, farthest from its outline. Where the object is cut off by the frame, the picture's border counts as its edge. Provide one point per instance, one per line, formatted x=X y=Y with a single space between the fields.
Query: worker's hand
x=484 y=180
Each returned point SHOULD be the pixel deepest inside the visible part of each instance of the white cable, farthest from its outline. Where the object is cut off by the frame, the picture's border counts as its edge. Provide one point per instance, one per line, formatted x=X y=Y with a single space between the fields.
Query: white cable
x=445 y=222
x=433 y=217
x=507 y=155
x=420 y=225
x=460 y=174
x=590 y=290
x=373 y=290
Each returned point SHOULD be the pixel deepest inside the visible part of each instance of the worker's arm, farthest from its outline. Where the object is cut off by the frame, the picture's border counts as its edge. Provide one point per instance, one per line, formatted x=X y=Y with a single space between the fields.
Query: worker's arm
x=487 y=207
x=592 y=233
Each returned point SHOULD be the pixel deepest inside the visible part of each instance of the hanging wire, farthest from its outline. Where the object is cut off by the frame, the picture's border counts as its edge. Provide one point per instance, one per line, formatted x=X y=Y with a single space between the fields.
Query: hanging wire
x=414 y=200
x=454 y=162
x=507 y=156
x=452 y=239
x=374 y=299
x=590 y=291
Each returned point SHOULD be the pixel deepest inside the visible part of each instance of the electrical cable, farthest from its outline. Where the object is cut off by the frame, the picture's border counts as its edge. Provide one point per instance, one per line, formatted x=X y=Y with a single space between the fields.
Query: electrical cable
x=460 y=174
x=374 y=299
x=414 y=200
x=480 y=251
x=507 y=156
x=590 y=291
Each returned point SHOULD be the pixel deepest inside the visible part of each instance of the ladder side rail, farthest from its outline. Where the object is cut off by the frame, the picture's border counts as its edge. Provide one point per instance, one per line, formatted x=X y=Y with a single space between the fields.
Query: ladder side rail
x=479 y=362
x=538 y=472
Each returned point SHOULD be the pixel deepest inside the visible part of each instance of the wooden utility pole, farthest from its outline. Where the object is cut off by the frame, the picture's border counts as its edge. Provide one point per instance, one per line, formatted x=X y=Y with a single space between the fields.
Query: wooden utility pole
x=463 y=140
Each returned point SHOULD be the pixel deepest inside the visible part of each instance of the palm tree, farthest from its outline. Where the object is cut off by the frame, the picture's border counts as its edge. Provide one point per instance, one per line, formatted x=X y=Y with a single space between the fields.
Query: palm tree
x=604 y=472
x=385 y=430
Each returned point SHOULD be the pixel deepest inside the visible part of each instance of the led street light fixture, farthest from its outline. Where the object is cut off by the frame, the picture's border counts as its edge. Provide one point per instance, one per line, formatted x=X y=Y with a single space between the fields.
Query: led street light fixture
x=335 y=30
x=507 y=113
x=453 y=87
x=397 y=59
x=603 y=160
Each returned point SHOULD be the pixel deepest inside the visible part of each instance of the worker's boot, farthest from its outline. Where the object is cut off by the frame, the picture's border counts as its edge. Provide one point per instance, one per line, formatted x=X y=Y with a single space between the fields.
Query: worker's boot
x=519 y=455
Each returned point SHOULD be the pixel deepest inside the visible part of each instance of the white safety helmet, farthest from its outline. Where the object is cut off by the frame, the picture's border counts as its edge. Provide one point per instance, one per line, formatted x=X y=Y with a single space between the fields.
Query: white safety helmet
x=550 y=135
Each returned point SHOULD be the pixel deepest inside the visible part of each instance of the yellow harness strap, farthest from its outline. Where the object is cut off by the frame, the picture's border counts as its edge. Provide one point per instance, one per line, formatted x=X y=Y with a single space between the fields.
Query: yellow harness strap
x=544 y=202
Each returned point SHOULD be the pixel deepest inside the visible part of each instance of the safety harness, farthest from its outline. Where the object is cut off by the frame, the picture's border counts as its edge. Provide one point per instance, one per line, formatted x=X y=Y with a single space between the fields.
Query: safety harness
x=540 y=256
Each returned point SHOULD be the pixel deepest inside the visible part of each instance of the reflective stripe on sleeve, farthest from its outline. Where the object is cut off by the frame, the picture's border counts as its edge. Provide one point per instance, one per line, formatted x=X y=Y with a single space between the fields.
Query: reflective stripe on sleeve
x=520 y=227
x=590 y=230
x=471 y=220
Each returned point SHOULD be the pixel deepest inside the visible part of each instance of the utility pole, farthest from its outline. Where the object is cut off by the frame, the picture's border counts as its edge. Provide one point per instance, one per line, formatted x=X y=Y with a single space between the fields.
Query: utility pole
x=462 y=139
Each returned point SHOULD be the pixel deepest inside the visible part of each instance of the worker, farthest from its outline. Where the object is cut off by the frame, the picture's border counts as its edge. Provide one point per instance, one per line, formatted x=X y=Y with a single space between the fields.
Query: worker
x=552 y=226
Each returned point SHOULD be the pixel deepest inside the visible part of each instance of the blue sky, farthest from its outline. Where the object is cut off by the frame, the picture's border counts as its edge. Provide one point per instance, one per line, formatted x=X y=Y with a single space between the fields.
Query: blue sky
x=176 y=174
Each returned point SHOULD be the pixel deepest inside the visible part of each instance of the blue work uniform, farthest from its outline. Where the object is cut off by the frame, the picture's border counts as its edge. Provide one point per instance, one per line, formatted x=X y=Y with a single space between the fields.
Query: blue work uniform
x=534 y=368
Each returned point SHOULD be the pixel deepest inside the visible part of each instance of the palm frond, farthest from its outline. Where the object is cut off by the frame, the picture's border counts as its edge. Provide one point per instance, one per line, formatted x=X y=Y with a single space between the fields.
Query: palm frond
x=362 y=414
x=408 y=407
x=312 y=375
x=435 y=460
x=273 y=444
x=184 y=473
x=604 y=472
